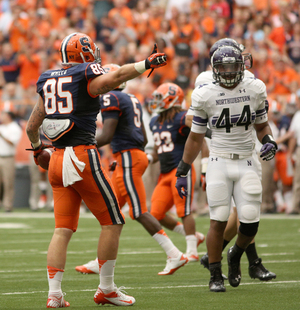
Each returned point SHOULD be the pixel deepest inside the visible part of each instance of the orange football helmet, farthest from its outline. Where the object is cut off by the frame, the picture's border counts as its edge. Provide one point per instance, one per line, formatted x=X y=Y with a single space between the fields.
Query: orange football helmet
x=166 y=96
x=77 y=48
x=111 y=68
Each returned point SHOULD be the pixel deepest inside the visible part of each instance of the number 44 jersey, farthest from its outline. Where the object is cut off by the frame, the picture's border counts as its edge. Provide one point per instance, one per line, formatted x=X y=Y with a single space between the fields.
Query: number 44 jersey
x=230 y=114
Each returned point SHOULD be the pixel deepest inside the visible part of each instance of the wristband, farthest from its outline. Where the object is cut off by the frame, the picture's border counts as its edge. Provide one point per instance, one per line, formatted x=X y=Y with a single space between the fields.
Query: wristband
x=204 y=163
x=269 y=139
x=182 y=169
x=150 y=158
x=36 y=144
x=140 y=66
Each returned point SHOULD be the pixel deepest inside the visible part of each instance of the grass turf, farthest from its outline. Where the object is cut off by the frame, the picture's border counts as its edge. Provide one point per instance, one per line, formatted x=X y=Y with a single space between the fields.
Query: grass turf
x=24 y=239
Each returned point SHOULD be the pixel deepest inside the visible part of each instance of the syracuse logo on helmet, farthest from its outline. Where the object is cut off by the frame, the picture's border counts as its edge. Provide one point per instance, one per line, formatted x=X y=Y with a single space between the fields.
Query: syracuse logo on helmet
x=166 y=96
x=78 y=48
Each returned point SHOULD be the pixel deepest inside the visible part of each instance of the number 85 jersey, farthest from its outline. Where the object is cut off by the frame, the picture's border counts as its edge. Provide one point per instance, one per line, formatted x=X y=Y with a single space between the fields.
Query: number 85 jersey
x=230 y=114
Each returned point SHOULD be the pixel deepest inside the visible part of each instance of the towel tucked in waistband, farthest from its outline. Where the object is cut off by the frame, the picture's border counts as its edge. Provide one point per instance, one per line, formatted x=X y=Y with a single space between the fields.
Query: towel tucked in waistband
x=70 y=174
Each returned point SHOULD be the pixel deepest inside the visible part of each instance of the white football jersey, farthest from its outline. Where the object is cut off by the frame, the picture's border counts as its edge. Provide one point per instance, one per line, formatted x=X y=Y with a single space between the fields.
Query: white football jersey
x=207 y=77
x=230 y=114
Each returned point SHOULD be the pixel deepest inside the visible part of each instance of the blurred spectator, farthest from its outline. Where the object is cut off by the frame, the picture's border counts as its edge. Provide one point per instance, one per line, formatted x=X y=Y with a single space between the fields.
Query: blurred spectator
x=18 y=31
x=122 y=35
x=57 y=10
x=292 y=47
x=29 y=62
x=10 y=134
x=9 y=67
x=281 y=77
x=120 y=9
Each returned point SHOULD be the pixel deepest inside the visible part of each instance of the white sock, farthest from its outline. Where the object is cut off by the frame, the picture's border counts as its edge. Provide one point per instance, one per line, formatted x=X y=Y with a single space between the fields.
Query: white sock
x=179 y=229
x=288 y=198
x=107 y=270
x=55 y=276
x=168 y=246
x=191 y=244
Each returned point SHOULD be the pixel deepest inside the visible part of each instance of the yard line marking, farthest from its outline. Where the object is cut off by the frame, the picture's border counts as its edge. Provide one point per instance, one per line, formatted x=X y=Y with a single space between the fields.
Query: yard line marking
x=68 y=269
x=273 y=282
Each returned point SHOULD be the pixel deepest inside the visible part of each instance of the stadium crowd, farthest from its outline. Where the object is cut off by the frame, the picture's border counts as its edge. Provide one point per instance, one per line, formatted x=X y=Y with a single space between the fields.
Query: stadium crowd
x=125 y=30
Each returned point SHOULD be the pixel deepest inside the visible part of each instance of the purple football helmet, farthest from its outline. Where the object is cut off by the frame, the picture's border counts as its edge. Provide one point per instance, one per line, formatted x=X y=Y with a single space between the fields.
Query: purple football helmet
x=228 y=66
x=231 y=42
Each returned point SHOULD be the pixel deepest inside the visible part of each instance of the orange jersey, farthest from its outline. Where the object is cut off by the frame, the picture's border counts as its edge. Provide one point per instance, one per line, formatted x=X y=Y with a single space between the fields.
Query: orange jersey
x=95 y=189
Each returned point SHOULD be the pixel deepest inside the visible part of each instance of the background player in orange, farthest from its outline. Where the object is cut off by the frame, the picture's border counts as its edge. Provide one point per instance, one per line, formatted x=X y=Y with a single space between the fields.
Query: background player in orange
x=69 y=102
x=169 y=134
x=123 y=128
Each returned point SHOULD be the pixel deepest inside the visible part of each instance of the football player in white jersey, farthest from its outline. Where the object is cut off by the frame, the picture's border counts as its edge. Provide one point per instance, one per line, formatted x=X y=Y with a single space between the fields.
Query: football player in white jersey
x=231 y=106
x=256 y=268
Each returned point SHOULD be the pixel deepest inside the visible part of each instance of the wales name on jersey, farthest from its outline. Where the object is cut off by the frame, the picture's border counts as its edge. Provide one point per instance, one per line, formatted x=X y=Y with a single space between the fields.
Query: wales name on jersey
x=230 y=114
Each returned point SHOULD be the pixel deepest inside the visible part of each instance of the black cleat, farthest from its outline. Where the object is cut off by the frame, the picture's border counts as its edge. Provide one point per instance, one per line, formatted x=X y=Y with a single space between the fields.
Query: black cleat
x=258 y=271
x=234 y=270
x=216 y=282
x=205 y=263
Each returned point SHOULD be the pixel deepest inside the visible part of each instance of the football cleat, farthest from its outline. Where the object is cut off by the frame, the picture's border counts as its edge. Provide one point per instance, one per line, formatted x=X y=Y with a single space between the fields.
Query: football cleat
x=192 y=258
x=205 y=263
x=173 y=264
x=89 y=268
x=258 y=271
x=116 y=297
x=216 y=282
x=57 y=302
x=200 y=238
x=234 y=270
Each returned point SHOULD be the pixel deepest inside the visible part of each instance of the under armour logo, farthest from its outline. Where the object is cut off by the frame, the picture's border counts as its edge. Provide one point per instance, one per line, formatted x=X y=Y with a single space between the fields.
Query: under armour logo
x=216 y=159
x=249 y=162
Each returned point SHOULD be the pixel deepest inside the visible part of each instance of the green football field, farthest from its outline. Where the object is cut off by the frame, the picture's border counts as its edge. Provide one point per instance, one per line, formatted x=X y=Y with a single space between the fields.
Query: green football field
x=24 y=239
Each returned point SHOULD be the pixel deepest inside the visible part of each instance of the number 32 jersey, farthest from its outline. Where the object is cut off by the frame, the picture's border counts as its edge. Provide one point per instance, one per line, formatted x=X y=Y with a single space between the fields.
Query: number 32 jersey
x=230 y=114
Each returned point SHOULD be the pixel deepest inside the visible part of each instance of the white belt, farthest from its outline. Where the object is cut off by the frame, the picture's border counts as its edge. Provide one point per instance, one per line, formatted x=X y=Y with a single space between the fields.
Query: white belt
x=231 y=155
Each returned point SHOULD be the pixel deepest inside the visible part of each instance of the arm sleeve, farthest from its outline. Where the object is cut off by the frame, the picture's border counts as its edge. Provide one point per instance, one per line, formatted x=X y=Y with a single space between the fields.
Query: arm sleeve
x=200 y=119
x=261 y=113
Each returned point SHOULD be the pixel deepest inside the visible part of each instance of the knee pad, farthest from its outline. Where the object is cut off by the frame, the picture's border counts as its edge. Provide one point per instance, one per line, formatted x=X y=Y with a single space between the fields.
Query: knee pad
x=249 y=229
x=249 y=213
x=219 y=213
x=251 y=187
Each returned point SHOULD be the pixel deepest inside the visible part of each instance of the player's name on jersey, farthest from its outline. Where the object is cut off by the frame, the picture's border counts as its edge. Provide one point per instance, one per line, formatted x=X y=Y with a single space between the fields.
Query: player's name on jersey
x=61 y=72
x=233 y=100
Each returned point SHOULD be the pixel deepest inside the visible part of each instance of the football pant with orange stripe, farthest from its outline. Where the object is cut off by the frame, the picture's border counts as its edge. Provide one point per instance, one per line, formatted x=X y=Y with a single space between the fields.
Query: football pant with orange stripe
x=127 y=179
x=95 y=189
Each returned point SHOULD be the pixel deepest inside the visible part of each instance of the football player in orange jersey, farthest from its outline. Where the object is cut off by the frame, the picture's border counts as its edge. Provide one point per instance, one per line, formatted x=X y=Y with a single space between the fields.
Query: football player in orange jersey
x=67 y=109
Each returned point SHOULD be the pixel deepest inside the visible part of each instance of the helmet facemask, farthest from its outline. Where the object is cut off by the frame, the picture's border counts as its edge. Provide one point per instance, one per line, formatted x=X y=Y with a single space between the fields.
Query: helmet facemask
x=228 y=66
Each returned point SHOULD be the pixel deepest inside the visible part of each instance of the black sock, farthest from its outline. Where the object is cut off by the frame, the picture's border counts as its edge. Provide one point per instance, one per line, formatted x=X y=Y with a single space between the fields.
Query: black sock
x=251 y=253
x=237 y=253
x=225 y=242
x=215 y=265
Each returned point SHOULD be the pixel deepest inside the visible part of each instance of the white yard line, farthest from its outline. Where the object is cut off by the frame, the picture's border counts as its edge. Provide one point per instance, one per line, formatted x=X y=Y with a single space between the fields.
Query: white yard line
x=273 y=282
